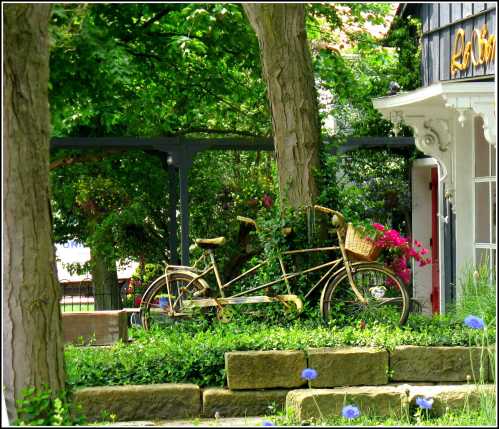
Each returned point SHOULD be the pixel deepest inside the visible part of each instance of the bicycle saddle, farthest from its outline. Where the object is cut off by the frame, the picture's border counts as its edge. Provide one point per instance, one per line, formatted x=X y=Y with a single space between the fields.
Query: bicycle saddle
x=210 y=243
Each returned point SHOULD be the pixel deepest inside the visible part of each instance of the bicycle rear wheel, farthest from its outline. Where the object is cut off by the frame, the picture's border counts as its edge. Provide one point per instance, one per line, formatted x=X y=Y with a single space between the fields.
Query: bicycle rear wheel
x=155 y=308
x=386 y=298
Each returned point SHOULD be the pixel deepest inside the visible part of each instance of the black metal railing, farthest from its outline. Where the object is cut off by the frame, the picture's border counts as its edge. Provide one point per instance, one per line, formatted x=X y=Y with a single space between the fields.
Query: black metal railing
x=81 y=296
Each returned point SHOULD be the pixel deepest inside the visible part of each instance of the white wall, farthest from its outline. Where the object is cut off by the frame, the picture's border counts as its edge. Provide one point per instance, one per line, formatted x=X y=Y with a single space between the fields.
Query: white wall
x=463 y=156
x=421 y=229
x=72 y=252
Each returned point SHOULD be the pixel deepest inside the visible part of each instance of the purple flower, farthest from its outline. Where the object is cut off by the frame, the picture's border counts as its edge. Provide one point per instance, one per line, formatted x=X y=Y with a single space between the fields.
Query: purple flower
x=267 y=423
x=350 y=412
x=474 y=322
x=424 y=403
x=309 y=374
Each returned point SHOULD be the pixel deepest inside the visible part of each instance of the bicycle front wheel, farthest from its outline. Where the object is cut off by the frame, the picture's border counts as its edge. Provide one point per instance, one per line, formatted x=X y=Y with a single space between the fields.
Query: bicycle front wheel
x=160 y=306
x=385 y=296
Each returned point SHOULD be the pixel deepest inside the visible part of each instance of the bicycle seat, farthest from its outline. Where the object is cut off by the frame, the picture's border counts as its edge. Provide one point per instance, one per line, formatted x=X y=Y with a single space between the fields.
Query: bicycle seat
x=210 y=243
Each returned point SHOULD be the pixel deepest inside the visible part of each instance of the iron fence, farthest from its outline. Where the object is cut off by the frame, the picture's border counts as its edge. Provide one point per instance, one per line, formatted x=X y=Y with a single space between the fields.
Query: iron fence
x=81 y=296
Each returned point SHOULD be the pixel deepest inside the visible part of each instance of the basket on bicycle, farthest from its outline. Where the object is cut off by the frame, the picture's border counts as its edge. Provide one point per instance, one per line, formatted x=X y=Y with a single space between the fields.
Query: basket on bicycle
x=360 y=247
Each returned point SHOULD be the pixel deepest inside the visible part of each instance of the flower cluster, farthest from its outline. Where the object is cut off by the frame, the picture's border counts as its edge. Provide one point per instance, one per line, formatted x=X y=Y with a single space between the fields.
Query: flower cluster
x=474 y=322
x=400 y=251
x=424 y=403
x=350 y=412
x=309 y=374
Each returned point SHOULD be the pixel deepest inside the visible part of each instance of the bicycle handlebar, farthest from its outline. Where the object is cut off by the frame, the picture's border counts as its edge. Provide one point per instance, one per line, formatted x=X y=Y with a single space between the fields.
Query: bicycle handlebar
x=337 y=217
x=246 y=220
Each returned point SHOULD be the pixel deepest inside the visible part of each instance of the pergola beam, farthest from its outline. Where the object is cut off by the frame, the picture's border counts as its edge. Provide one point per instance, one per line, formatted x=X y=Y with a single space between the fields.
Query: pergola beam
x=178 y=153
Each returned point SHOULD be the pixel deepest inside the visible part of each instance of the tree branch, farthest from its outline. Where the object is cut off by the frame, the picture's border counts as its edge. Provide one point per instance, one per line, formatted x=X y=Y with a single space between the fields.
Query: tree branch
x=217 y=131
x=83 y=158
x=156 y=17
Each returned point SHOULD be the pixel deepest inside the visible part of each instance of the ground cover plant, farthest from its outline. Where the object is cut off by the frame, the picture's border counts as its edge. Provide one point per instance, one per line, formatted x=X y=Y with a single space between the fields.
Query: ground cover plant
x=482 y=416
x=193 y=351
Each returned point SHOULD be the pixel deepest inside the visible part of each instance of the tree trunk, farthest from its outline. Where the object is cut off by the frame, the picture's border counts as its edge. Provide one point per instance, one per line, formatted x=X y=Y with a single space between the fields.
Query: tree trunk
x=105 y=280
x=32 y=329
x=288 y=72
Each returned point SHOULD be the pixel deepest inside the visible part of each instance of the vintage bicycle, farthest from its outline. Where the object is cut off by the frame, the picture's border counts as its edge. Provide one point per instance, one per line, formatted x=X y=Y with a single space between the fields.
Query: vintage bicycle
x=353 y=284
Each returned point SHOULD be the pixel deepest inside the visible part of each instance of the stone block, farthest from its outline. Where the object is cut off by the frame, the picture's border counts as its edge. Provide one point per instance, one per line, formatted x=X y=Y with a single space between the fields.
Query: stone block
x=454 y=397
x=373 y=400
x=436 y=364
x=140 y=402
x=240 y=403
x=95 y=327
x=348 y=366
x=264 y=369
x=492 y=375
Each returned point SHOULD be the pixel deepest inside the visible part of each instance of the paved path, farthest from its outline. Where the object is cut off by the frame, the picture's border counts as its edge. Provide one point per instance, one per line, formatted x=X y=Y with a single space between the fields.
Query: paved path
x=221 y=422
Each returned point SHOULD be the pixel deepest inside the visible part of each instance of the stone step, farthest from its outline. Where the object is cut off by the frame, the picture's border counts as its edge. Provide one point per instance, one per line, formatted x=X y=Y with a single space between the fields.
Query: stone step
x=357 y=366
x=140 y=402
x=392 y=399
x=188 y=402
x=238 y=403
x=204 y=422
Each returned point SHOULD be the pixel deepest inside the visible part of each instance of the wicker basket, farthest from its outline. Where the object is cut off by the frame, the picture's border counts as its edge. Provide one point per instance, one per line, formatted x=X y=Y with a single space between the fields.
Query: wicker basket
x=360 y=247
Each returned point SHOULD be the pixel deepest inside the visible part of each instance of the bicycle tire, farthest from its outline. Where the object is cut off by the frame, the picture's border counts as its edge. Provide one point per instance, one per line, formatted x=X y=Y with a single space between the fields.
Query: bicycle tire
x=182 y=287
x=386 y=296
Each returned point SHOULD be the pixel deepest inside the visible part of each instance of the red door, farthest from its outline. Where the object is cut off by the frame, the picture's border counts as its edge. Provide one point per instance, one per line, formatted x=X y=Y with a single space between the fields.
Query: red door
x=435 y=274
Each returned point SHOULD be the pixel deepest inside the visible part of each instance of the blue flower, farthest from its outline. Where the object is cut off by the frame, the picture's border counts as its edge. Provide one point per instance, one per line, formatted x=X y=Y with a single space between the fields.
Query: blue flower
x=424 y=403
x=350 y=412
x=474 y=322
x=267 y=423
x=309 y=374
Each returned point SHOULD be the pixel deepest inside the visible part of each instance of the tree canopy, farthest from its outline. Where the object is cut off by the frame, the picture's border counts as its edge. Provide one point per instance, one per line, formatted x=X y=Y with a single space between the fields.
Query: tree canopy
x=193 y=69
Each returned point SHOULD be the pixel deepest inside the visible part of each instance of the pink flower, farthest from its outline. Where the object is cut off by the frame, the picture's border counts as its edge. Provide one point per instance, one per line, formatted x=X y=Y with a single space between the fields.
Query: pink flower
x=400 y=241
x=267 y=200
x=378 y=226
x=412 y=253
x=417 y=243
x=424 y=251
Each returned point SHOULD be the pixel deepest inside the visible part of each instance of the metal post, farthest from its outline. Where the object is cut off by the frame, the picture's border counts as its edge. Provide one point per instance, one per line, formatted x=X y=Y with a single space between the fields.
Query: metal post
x=184 y=210
x=172 y=212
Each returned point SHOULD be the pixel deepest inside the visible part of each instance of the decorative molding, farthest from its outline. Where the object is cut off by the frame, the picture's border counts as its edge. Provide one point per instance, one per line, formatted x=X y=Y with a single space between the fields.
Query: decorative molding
x=487 y=111
x=438 y=111
x=482 y=105
x=433 y=136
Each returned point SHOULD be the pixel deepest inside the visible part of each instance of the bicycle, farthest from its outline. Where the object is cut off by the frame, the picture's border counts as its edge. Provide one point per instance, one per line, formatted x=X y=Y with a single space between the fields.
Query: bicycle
x=356 y=288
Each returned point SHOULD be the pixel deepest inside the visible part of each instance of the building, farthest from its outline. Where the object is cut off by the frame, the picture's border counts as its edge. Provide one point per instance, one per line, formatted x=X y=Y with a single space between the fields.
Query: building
x=453 y=116
x=78 y=288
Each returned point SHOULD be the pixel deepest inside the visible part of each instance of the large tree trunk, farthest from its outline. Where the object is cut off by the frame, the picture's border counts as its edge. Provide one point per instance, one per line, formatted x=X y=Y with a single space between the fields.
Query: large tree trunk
x=105 y=280
x=287 y=69
x=32 y=331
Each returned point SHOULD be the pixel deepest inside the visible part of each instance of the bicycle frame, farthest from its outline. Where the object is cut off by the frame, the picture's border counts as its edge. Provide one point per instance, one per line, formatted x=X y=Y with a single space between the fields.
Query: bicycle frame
x=285 y=276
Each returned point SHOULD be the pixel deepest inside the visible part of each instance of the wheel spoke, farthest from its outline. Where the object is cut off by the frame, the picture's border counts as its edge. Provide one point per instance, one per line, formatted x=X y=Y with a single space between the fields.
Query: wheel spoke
x=385 y=296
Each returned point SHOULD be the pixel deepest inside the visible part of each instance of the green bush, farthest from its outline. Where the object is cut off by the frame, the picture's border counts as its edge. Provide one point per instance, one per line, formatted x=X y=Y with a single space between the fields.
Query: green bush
x=193 y=351
x=38 y=407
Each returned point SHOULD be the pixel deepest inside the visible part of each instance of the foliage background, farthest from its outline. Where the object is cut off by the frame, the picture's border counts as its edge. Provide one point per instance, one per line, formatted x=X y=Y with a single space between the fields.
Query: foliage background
x=194 y=70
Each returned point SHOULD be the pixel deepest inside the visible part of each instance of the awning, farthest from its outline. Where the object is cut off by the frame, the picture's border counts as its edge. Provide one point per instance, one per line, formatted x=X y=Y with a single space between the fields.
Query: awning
x=435 y=114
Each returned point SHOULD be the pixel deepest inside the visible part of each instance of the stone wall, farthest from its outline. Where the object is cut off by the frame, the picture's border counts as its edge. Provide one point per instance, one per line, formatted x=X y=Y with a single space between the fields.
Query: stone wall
x=95 y=327
x=383 y=382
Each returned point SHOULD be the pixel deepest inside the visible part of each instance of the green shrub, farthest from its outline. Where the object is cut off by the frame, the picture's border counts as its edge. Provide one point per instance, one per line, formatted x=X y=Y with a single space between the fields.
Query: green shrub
x=193 y=351
x=38 y=407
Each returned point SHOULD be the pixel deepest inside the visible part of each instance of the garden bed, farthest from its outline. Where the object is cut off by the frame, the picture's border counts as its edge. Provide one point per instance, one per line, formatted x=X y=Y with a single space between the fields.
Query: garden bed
x=193 y=352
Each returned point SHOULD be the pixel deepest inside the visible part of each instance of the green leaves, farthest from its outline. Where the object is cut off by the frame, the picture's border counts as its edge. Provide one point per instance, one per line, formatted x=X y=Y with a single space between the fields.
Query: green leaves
x=137 y=64
x=193 y=351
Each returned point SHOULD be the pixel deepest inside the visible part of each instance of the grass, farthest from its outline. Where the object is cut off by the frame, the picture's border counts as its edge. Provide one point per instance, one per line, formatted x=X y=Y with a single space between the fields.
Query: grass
x=483 y=416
